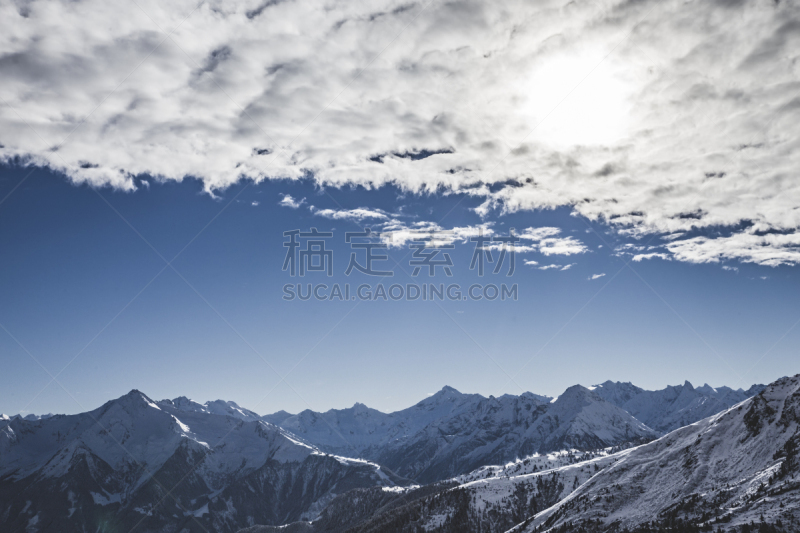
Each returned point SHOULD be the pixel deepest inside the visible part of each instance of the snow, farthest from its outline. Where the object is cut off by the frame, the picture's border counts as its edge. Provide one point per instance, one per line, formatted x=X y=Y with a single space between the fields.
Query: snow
x=436 y=521
x=536 y=463
x=199 y=512
x=106 y=499
x=728 y=463
x=353 y=461
x=183 y=426
x=72 y=500
x=150 y=402
x=399 y=490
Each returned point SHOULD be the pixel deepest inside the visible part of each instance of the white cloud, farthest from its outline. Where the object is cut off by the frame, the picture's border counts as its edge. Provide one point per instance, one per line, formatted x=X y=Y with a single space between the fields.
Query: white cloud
x=398 y=234
x=357 y=215
x=770 y=249
x=518 y=248
x=549 y=267
x=531 y=263
x=254 y=203
x=548 y=244
x=653 y=255
x=288 y=201
x=596 y=276
x=537 y=234
x=688 y=117
x=562 y=246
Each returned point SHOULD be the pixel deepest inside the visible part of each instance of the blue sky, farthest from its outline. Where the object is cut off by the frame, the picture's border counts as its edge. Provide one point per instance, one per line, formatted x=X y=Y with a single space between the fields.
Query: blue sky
x=218 y=328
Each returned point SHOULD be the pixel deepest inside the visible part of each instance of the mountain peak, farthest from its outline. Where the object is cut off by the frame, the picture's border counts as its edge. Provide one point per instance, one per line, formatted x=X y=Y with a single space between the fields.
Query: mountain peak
x=447 y=393
x=609 y=383
x=575 y=397
x=577 y=390
x=706 y=389
x=224 y=403
x=183 y=401
x=135 y=398
x=538 y=397
x=688 y=385
x=136 y=394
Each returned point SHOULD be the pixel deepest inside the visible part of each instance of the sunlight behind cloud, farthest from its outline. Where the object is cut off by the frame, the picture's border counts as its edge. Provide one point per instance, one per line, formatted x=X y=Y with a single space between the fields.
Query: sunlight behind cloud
x=577 y=100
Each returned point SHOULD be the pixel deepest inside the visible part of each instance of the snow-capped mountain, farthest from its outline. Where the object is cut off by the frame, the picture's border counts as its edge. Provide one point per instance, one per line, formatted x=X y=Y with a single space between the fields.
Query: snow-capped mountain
x=736 y=467
x=167 y=466
x=179 y=465
x=675 y=406
x=726 y=471
x=4 y=417
x=216 y=407
x=451 y=433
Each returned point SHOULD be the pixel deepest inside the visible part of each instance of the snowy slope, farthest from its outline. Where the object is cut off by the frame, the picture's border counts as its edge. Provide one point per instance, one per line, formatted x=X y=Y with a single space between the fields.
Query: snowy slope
x=491 y=500
x=726 y=470
x=536 y=463
x=169 y=465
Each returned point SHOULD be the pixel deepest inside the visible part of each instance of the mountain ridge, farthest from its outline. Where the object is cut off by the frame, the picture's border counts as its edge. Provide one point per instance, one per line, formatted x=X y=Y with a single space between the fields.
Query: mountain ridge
x=133 y=460
x=232 y=467
x=737 y=471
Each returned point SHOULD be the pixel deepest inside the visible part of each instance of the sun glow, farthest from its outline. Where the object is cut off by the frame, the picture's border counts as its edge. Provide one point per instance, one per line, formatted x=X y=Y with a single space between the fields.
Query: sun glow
x=577 y=100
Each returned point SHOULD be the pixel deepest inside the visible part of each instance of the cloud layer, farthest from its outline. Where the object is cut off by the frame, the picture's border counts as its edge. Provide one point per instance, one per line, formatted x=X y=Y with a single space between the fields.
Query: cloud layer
x=654 y=116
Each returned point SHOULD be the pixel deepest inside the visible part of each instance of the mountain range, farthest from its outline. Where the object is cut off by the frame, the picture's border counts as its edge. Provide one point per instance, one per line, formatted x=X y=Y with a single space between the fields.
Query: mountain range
x=735 y=471
x=672 y=407
x=451 y=433
x=179 y=465
x=135 y=463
